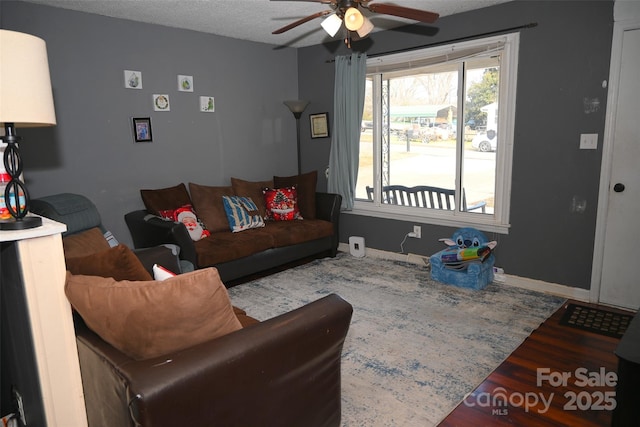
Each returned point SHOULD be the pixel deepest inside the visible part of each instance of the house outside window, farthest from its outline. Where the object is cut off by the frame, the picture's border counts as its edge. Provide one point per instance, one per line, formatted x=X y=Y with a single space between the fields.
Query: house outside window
x=440 y=117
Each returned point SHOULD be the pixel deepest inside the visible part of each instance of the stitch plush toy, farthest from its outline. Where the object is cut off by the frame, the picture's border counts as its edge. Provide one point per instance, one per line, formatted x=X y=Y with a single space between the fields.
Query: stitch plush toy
x=466 y=262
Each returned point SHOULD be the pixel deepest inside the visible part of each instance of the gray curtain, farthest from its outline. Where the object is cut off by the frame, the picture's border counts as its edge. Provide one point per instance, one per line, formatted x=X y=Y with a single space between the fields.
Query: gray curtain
x=348 y=103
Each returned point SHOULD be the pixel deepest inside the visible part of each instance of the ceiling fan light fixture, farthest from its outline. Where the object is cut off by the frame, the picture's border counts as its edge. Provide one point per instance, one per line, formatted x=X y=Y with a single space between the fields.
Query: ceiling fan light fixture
x=353 y=19
x=332 y=24
x=366 y=28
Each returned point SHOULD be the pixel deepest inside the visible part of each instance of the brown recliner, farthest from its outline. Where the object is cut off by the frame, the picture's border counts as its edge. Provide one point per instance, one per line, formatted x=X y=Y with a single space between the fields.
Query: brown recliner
x=79 y=214
x=284 y=371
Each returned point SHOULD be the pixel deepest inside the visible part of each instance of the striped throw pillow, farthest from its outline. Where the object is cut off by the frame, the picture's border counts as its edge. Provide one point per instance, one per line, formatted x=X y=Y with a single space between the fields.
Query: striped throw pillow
x=242 y=213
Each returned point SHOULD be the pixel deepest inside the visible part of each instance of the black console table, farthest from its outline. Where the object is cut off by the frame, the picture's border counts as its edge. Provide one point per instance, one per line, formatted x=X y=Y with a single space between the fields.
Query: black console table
x=627 y=411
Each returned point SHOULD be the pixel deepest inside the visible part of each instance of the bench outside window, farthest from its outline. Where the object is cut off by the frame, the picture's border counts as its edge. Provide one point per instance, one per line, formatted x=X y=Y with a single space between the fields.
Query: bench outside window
x=424 y=196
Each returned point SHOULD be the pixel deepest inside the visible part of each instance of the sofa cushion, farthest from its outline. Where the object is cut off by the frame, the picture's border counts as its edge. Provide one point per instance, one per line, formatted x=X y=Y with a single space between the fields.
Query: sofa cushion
x=187 y=215
x=118 y=262
x=252 y=189
x=146 y=319
x=242 y=213
x=161 y=273
x=293 y=232
x=226 y=246
x=208 y=202
x=165 y=198
x=306 y=185
x=281 y=204
x=84 y=243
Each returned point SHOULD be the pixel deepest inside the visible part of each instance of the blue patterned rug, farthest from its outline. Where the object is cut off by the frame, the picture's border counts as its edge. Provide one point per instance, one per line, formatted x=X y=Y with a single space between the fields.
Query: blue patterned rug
x=415 y=347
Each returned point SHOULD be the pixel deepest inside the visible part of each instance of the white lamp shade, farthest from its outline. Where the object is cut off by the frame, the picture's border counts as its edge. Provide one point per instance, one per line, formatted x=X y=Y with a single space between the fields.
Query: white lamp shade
x=366 y=28
x=332 y=24
x=353 y=19
x=26 y=98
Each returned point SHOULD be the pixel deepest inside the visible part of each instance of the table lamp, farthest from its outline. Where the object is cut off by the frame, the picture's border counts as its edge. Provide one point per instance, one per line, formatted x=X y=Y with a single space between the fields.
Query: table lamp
x=26 y=100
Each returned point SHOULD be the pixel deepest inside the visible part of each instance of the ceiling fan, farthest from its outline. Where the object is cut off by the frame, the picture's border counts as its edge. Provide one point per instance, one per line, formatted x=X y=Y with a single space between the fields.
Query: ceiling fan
x=357 y=25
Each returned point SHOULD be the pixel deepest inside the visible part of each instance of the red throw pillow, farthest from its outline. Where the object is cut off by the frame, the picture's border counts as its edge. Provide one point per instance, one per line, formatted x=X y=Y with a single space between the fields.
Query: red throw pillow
x=305 y=186
x=188 y=217
x=281 y=203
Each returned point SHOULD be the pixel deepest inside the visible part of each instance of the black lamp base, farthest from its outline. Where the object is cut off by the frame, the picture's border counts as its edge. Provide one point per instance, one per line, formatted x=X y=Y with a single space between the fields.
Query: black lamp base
x=21 y=224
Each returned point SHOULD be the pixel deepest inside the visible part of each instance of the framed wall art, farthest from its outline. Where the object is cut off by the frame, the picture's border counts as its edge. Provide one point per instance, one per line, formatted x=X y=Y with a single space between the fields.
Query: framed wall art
x=207 y=104
x=142 y=129
x=319 y=125
x=132 y=79
x=161 y=103
x=185 y=83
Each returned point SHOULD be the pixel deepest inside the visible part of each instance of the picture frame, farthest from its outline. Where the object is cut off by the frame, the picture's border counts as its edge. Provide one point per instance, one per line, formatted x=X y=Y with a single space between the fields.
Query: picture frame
x=185 y=83
x=142 y=129
x=207 y=104
x=132 y=79
x=319 y=125
x=161 y=102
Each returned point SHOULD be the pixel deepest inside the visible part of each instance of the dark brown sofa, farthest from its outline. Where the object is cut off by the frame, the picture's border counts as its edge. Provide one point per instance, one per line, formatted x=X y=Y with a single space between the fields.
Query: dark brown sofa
x=238 y=254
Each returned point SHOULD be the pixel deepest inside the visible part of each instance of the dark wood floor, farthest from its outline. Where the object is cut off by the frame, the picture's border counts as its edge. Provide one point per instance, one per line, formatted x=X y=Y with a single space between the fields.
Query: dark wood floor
x=560 y=349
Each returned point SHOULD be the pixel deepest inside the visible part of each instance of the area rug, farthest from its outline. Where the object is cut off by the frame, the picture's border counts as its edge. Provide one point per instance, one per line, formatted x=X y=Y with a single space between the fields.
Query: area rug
x=599 y=321
x=415 y=347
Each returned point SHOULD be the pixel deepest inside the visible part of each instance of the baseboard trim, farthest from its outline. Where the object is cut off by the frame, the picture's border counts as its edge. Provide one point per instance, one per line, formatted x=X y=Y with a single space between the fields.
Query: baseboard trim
x=508 y=279
x=547 y=287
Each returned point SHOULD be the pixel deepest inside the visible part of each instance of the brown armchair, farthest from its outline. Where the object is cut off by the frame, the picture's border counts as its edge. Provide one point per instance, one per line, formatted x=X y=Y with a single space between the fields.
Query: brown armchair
x=284 y=371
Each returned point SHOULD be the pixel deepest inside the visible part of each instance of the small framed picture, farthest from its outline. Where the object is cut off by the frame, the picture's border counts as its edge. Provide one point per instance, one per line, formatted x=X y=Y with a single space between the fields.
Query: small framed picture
x=161 y=103
x=142 y=129
x=185 y=83
x=207 y=104
x=132 y=79
x=319 y=125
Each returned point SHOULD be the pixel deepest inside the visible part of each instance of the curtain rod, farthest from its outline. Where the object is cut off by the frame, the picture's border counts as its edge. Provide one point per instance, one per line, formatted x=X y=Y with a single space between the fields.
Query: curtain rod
x=490 y=33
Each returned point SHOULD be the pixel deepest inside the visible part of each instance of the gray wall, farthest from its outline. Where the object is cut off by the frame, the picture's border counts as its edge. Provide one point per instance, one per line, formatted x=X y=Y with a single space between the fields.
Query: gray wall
x=252 y=135
x=91 y=151
x=562 y=61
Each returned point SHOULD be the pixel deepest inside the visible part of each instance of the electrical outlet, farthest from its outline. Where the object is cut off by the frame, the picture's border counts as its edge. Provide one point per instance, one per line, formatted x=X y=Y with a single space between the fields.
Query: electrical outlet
x=18 y=398
x=589 y=141
x=417 y=230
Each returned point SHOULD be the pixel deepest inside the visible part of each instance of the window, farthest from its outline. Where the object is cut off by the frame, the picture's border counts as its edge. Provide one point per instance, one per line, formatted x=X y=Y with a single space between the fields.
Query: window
x=440 y=117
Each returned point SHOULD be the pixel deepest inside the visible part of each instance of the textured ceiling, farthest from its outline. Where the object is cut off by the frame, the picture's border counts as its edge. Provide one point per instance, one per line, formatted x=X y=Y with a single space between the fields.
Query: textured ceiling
x=252 y=20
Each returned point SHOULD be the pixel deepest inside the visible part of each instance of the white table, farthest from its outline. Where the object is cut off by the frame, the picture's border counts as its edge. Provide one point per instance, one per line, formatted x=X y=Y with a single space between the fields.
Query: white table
x=41 y=268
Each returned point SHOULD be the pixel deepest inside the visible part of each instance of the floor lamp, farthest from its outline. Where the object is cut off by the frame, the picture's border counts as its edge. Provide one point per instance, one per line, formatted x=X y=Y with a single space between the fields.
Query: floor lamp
x=26 y=100
x=297 y=107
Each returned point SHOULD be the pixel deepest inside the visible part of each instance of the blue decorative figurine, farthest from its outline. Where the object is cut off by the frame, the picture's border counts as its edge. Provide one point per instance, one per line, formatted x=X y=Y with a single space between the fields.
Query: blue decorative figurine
x=466 y=262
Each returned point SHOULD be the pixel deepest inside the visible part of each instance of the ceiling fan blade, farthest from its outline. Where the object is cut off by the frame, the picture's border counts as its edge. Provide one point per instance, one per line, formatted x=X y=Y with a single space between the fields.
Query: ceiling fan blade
x=403 y=12
x=301 y=21
x=313 y=1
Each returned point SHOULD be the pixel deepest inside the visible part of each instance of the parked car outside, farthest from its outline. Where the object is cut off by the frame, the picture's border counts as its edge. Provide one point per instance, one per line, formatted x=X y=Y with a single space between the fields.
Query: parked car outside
x=486 y=141
x=366 y=125
x=443 y=131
